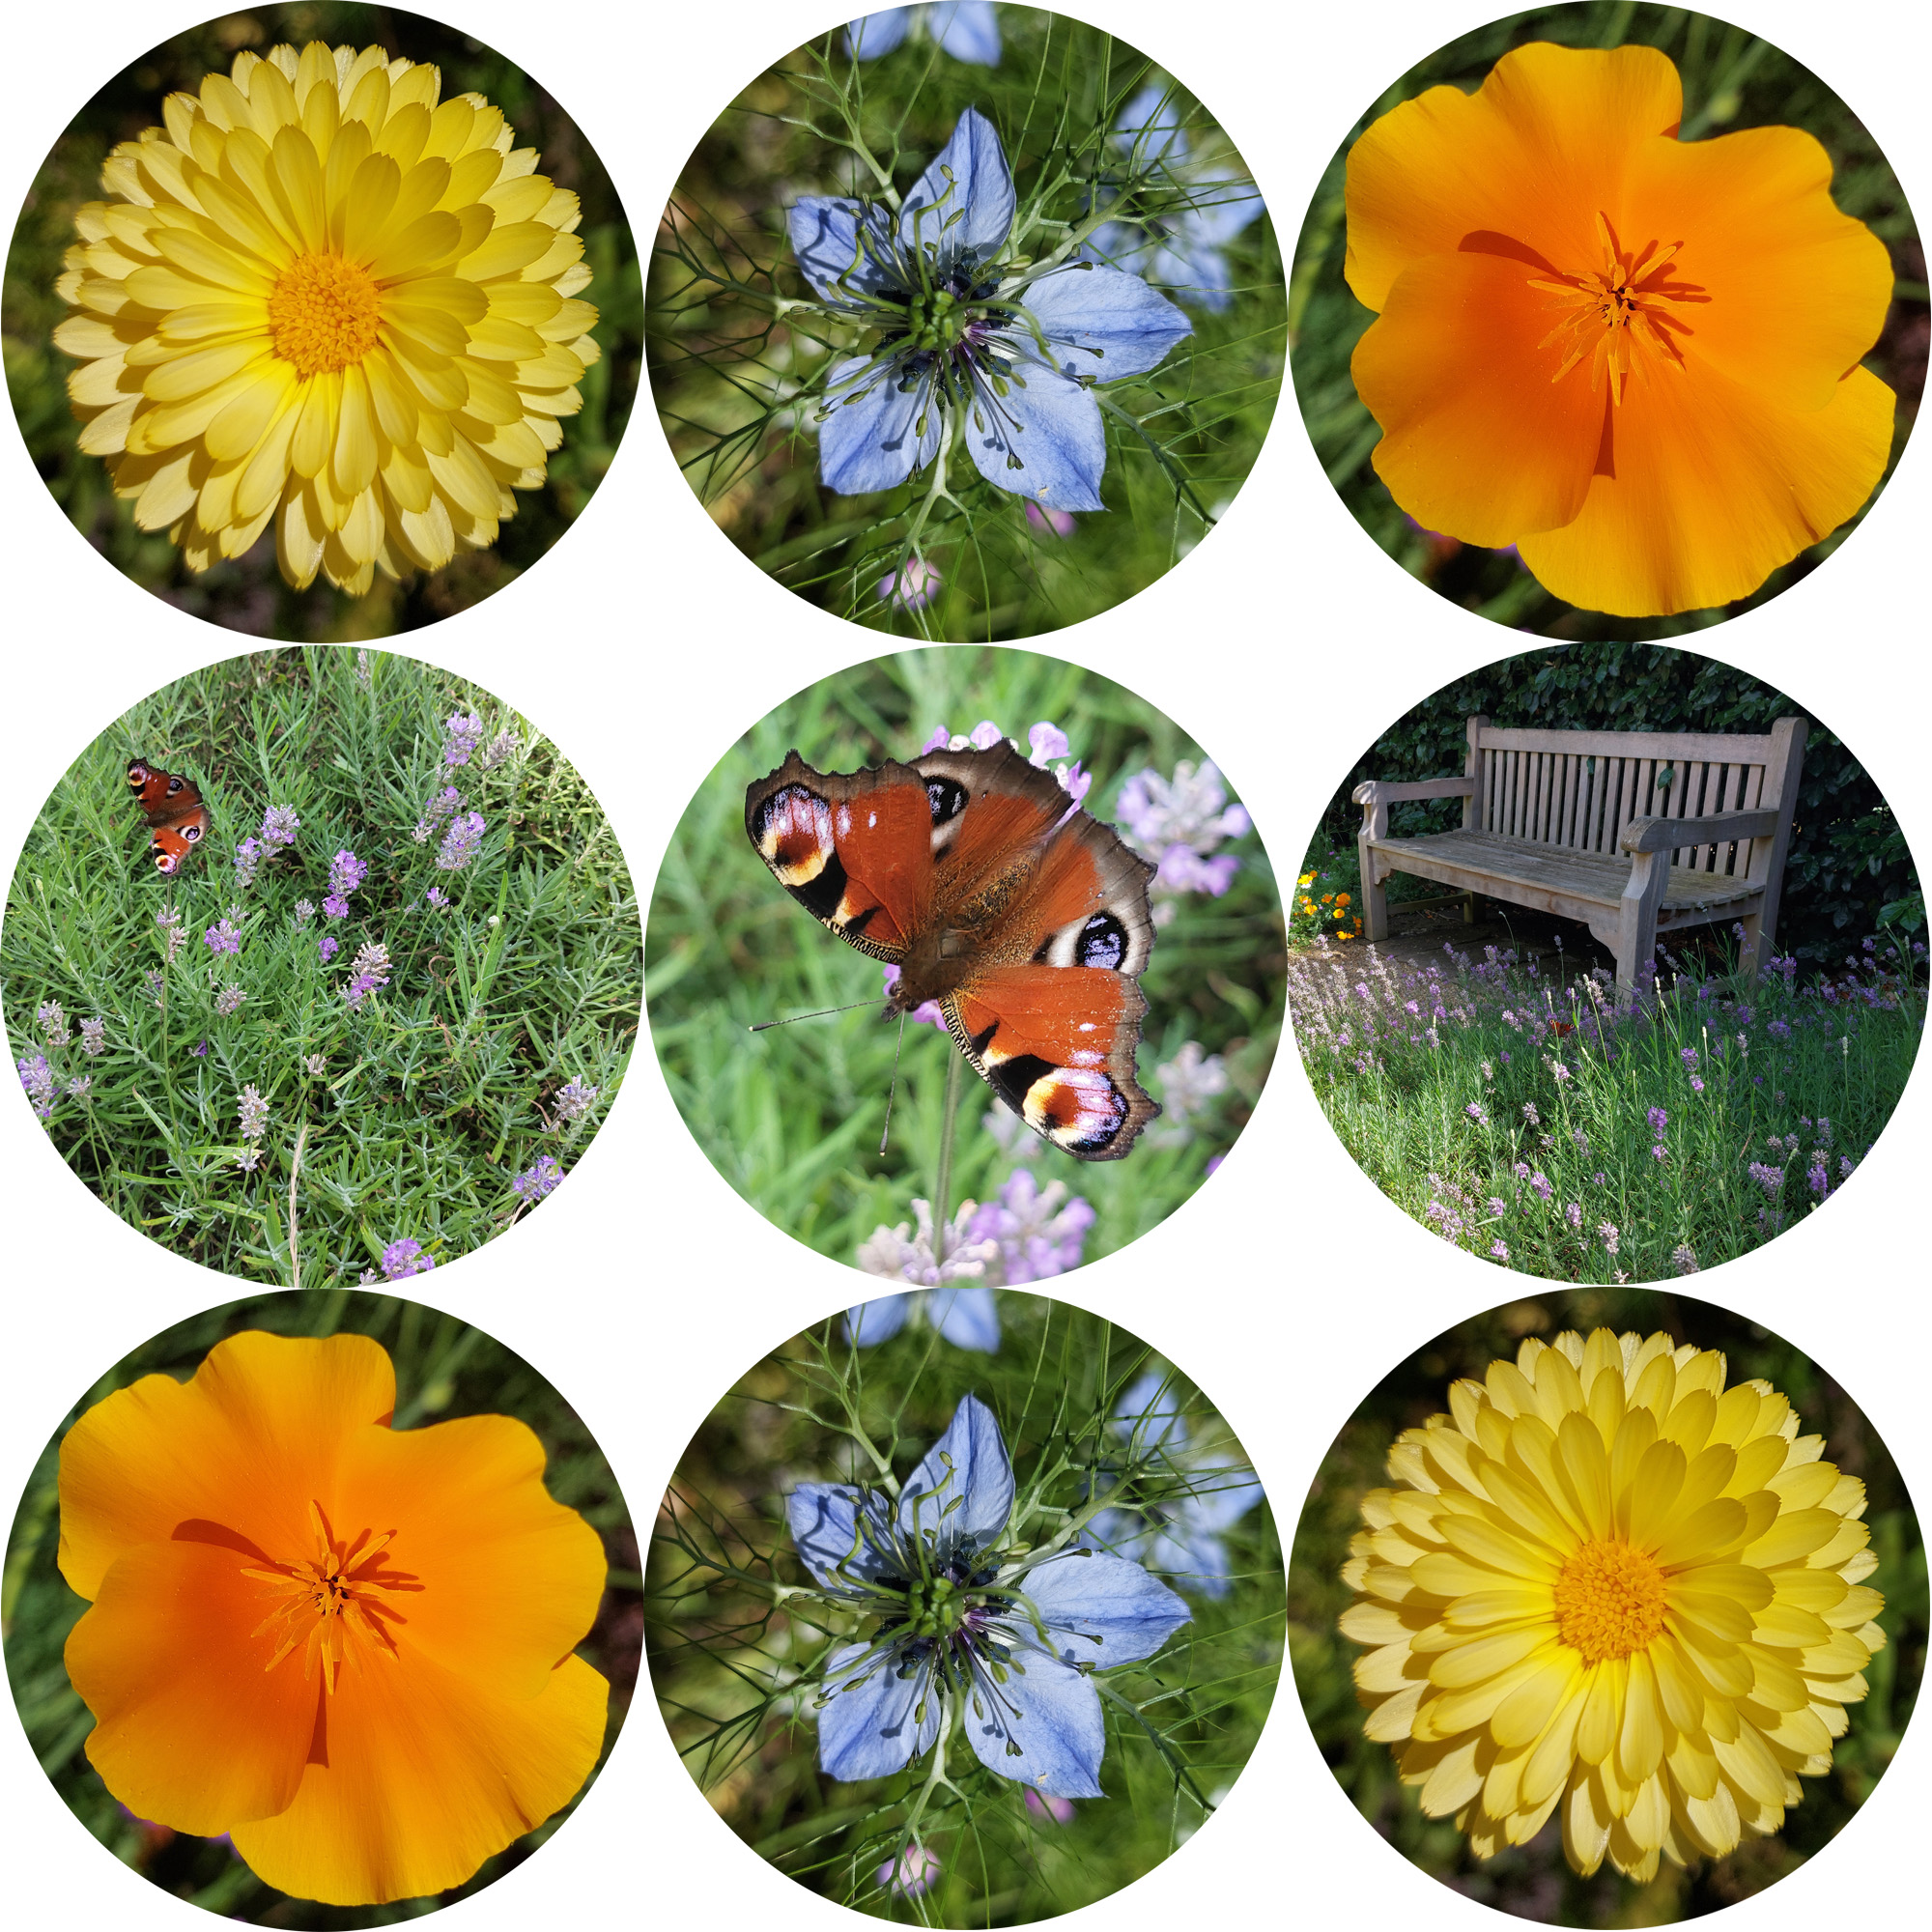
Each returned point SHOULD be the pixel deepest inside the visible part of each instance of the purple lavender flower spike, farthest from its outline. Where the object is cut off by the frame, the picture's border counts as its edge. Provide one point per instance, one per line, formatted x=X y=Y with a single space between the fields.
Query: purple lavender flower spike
x=461 y=842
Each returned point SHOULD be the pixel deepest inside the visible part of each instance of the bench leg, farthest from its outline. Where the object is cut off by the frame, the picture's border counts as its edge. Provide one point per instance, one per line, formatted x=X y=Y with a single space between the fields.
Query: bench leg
x=1468 y=908
x=1375 y=897
x=1753 y=952
x=1636 y=915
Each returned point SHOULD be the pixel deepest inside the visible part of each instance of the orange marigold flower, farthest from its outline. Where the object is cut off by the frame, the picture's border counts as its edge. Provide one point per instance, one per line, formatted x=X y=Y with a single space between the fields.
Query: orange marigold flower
x=1631 y=356
x=347 y=1646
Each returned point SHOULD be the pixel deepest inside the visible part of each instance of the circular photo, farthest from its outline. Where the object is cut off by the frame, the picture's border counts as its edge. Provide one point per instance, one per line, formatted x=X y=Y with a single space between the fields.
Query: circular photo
x=320 y=966
x=961 y=1641
x=1546 y=344
x=1608 y=963
x=319 y=1603
x=967 y=320
x=322 y=324
x=1611 y=1608
x=966 y=968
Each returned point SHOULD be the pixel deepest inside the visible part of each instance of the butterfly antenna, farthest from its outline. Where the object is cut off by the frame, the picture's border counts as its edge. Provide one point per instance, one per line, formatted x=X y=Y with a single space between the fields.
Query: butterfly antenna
x=893 y=1089
x=823 y=1012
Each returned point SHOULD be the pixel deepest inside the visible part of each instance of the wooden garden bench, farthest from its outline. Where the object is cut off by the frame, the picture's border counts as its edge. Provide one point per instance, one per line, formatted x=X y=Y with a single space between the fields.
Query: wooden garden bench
x=1633 y=833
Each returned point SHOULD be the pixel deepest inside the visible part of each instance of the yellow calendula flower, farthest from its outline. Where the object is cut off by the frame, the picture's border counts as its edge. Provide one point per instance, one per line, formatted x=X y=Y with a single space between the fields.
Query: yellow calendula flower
x=324 y=298
x=1610 y=1587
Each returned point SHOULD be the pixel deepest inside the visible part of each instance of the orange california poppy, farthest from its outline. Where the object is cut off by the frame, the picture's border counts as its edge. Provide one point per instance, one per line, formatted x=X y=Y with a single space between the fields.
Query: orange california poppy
x=1635 y=357
x=346 y=1645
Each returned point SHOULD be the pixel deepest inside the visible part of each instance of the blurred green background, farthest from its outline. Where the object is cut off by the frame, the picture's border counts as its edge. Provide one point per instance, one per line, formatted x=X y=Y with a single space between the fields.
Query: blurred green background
x=1533 y=1880
x=444 y=1369
x=791 y=1117
x=247 y=594
x=1731 y=81
x=724 y=1660
x=723 y=371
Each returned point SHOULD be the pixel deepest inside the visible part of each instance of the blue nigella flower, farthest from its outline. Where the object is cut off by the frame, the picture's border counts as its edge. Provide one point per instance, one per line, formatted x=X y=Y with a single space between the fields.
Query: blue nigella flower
x=1184 y=251
x=1183 y=1537
x=965 y=1317
x=968 y=346
x=965 y=29
x=997 y=1642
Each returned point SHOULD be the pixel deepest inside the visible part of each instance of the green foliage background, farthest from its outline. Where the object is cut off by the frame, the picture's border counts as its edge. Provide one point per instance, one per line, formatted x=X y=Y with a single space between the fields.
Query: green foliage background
x=247 y=594
x=437 y=1091
x=1848 y=858
x=725 y=371
x=791 y=1117
x=1533 y=1880
x=1731 y=81
x=444 y=1369
x=725 y=1659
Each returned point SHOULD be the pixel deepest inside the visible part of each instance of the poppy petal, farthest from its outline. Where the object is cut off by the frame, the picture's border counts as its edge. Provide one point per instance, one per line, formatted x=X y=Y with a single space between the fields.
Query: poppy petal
x=1531 y=156
x=504 y=1579
x=1478 y=442
x=418 y=1775
x=1796 y=291
x=245 y=1443
x=189 y=1729
x=1711 y=487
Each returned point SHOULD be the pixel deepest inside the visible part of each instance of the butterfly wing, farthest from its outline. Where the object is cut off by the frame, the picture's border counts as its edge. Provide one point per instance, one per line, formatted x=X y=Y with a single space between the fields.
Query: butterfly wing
x=1052 y=1021
x=855 y=850
x=174 y=811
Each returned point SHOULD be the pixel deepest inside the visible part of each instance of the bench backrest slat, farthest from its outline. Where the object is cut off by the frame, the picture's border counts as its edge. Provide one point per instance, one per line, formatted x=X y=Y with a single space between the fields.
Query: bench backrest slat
x=1576 y=790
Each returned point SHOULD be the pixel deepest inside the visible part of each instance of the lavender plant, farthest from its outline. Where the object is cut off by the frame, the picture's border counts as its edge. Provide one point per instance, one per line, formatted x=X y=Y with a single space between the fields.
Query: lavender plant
x=1557 y=1124
x=374 y=1059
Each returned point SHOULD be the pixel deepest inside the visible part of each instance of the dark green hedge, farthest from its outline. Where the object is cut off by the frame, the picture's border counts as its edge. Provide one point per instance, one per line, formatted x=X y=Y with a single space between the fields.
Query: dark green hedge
x=1848 y=856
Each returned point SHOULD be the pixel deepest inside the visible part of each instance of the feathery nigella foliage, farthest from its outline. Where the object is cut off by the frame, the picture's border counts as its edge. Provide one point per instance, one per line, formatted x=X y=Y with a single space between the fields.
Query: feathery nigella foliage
x=900 y=1603
x=1022 y=312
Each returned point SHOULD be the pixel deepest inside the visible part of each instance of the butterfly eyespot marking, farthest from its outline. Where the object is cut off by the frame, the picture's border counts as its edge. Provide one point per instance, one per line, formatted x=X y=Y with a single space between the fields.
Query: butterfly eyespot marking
x=946 y=798
x=1077 y=1108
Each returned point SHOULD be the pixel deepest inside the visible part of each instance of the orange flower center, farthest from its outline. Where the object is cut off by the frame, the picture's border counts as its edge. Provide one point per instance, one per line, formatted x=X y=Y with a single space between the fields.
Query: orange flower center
x=1622 y=315
x=322 y=313
x=1610 y=1601
x=332 y=1604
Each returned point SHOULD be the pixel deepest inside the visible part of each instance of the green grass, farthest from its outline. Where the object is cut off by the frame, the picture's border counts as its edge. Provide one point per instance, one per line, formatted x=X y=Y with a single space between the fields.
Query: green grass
x=736 y=361
x=437 y=1090
x=247 y=594
x=444 y=1369
x=792 y=1117
x=1752 y=1081
x=1533 y=1882
x=1731 y=81
x=733 y=1667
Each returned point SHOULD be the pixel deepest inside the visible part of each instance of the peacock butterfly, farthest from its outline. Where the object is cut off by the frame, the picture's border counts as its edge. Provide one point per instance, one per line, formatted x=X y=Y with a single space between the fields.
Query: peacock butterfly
x=1023 y=917
x=174 y=814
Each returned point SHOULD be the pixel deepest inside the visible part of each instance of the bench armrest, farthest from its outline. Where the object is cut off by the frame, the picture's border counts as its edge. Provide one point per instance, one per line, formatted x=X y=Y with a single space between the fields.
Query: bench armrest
x=1382 y=791
x=1668 y=835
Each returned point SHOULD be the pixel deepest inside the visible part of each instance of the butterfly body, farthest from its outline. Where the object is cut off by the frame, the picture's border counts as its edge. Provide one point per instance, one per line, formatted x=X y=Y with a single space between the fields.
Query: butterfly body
x=176 y=815
x=1025 y=919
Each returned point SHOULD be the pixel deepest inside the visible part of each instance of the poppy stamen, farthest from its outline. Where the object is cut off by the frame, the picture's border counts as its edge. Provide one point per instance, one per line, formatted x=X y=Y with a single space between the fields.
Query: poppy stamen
x=331 y=1603
x=1619 y=314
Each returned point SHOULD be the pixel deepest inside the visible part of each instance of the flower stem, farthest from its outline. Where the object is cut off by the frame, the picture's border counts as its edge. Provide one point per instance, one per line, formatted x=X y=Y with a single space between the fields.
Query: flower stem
x=942 y=1186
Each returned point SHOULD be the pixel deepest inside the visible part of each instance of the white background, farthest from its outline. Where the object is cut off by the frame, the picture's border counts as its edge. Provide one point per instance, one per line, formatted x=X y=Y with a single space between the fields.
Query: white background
x=1284 y=644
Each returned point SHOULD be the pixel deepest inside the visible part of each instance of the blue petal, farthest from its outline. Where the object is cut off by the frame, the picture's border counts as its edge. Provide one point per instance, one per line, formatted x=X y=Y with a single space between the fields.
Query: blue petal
x=825 y=239
x=1196 y=1559
x=1221 y=1496
x=981 y=186
x=969 y=1502
x=966 y=29
x=1058 y=437
x=872 y=34
x=1055 y=1720
x=1221 y=206
x=824 y=1519
x=871 y=442
x=1084 y=310
x=1102 y=1610
x=966 y=1316
x=1154 y=104
x=868 y=1730
x=876 y=1321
